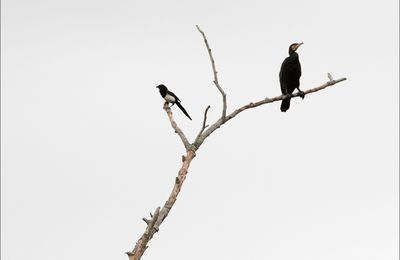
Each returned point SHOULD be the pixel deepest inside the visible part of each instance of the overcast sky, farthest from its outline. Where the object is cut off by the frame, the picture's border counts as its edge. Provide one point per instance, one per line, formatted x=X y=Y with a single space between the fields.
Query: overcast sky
x=87 y=150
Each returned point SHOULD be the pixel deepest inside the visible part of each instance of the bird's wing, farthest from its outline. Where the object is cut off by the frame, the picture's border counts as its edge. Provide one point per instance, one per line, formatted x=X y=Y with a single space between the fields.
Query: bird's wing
x=285 y=65
x=299 y=69
x=283 y=76
x=172 y=94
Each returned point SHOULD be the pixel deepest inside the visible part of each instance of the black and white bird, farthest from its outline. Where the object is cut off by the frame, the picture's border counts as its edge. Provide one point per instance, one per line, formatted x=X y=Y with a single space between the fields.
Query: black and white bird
x=290 y=74
x=171 y=98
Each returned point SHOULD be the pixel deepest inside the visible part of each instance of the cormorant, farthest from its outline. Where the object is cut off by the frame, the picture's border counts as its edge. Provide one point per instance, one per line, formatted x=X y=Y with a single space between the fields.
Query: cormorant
x=171 y=98
x=289 y=76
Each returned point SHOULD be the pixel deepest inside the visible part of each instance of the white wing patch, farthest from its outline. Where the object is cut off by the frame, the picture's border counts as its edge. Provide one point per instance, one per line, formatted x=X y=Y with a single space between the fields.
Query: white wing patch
x=169 y=98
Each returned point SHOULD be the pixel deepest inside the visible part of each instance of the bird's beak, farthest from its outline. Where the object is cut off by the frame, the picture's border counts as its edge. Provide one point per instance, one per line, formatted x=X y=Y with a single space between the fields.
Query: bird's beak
x=298 y=45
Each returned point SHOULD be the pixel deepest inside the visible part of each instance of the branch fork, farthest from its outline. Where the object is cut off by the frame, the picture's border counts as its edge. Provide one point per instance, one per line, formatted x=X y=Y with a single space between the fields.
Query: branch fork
x=206 y=130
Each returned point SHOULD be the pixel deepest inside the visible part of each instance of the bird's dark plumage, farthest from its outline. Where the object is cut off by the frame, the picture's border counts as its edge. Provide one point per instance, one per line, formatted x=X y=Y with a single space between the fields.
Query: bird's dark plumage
x=290 y=74
x=170 y=97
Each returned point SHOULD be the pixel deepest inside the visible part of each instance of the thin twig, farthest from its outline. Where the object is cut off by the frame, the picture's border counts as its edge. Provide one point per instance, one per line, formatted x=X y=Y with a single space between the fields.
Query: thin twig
x=215 y=73
x=330 y=76
x=204 y=126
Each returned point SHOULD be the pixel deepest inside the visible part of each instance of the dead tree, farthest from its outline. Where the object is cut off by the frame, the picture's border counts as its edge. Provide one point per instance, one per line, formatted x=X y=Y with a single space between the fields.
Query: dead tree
x=159 y=215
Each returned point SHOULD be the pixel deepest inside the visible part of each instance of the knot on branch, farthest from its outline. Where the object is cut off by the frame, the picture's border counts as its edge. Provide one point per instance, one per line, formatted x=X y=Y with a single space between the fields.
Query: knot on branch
x=151 y=228
x=153 y=218
x=166 y=107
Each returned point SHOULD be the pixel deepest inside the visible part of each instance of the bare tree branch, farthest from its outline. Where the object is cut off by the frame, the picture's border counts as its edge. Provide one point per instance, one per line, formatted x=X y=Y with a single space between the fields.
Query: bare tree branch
x=141 y=245
x=157 y=219
x=159 y=215
x=215 y=73
x=204 y=123
x=175 y=126
x=186 y=160
x=220 y=121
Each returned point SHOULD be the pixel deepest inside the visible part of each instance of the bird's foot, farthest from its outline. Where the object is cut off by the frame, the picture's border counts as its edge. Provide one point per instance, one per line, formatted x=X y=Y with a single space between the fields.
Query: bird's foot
x=302 y=94
x=166 y=105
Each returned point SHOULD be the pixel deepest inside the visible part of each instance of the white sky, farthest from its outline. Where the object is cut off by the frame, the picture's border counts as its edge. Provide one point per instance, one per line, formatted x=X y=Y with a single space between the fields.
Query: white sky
x=87 y=150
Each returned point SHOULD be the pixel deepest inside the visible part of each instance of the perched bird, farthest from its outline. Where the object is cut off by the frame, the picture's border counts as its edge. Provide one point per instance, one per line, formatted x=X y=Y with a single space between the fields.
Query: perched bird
x=289 y=76
x=171 y=98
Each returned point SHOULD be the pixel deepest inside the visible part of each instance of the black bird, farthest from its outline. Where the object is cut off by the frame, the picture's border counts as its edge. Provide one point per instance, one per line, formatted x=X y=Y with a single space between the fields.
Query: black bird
x=289 y=76
x=171 y=98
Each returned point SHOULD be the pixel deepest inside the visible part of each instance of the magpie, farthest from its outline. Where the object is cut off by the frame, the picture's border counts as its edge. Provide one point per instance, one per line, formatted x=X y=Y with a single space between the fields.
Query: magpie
x=171 y=98
x=290 y=74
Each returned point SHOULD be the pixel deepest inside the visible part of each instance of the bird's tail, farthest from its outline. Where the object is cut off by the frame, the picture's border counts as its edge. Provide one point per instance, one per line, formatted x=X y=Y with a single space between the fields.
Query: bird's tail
x=285 y=104
x=183 y=110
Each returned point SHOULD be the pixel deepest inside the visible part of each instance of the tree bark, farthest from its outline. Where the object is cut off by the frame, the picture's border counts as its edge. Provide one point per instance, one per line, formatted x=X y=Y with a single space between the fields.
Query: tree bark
x=159 y=215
